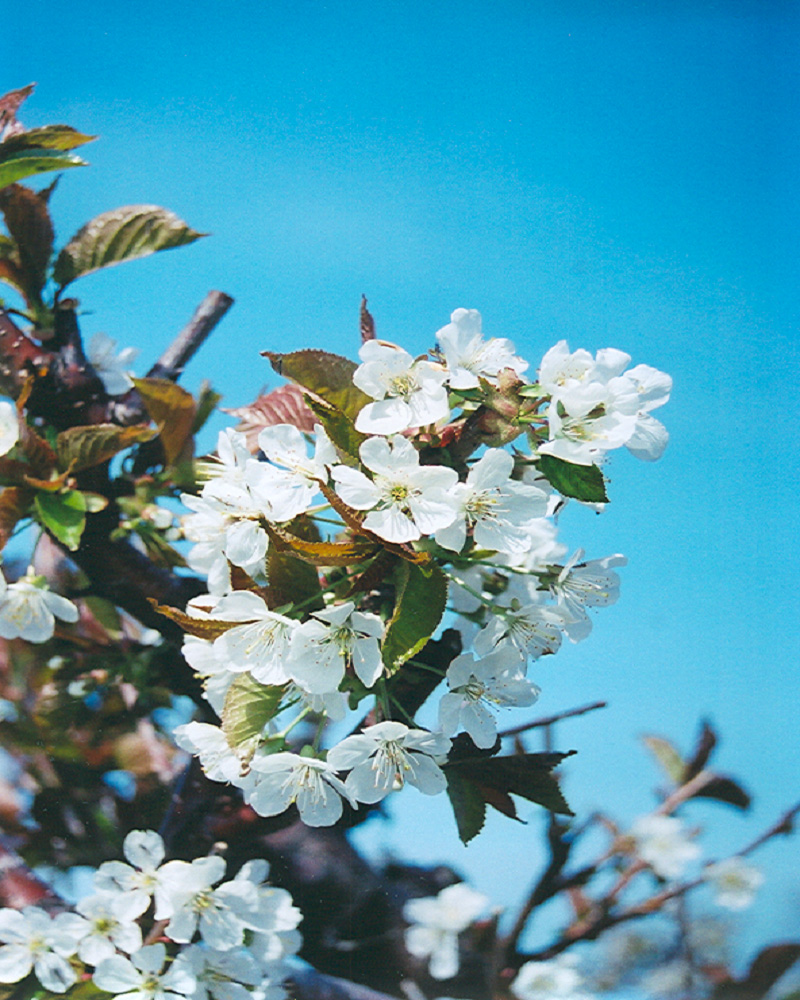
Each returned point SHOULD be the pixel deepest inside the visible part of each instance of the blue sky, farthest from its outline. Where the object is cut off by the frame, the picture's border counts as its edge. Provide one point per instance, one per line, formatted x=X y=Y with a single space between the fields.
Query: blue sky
x=617 y=174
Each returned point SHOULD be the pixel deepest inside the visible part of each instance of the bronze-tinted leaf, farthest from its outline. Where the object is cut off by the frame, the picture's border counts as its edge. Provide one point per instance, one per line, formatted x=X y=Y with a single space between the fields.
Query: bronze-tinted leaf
x=28 y=222
x=14 y=504
x=125 y=233
x=329 y=376
x=81 y=448
x=367 y=322
x=284 y=405
x=11 y=102
x=321 y=553
x=203 y=628
x=172 y=410
x=60 y=137
x=767 y=968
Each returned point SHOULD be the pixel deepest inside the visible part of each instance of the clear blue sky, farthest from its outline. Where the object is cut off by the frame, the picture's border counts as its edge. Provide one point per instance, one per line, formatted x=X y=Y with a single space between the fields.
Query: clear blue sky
x=616 y=173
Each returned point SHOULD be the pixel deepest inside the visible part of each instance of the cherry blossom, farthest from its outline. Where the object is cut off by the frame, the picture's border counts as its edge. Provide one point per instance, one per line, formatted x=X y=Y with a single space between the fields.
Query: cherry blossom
x=407 y=393
x=469 y=357
x=34 y=941
x=327 y=643
x=498 y=679
x=144 y=849
x=386 y=756
x=112 y=368
x=110 y=918
x=533 y=629
x=557 y=979
x=585 y=584
x=260 y=644
x=662 y=842
x=141 y=977
x=283 y=779
x=734 y=881
x=405 y=500
x=28 y=609
x=9 y=427
x=494 y=507
x=436 y=922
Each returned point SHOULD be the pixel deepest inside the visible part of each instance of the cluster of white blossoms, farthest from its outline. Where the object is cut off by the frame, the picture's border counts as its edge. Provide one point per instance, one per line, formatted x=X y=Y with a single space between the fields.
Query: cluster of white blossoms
x=225 y=940
x=485 y=525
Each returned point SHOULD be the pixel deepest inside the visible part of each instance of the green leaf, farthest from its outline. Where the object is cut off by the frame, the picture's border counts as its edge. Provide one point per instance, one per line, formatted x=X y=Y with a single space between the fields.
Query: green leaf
x=421 y=597
x=328 y=376
x=123 y=234
x=26 y=163
x=667 y=756
x=292 y=581
x=248 y=707
x=495 y=779
x=469 y=805
x=581 y=482
x=63 y=514
x=81 y=448
x=339 y=428
x=173 y=411
x=60 y=137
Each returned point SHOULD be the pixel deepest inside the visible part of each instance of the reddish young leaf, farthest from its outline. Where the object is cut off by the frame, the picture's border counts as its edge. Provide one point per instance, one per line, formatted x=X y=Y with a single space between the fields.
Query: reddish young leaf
x=284 y=405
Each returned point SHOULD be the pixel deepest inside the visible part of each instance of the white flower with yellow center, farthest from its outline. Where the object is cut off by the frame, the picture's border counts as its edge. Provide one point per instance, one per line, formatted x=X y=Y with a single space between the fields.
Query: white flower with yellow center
x=734 y=881
x=405 y=500
x=28 y=609
x=260 y=644
x=144 y=849
x=497 y=679
x=492 y=505
x=469 y=357
x=407 y=393
x=31 y=940
x=662 y=842
x=141 y=977
x=580 y=585
x=533 y=629
x=283 y=779
x=330 y=641
x=386 y=756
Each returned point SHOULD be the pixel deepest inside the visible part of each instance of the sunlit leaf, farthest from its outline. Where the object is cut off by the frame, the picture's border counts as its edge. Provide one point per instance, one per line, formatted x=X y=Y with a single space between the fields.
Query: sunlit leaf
x=667 y=756
x=60 y=137
x=81 y=448
x=248 y=707
x=203 y=628
x=125 y=233
x=321 y=553
x=29 y=162
x=328 y=376
x=63 y=514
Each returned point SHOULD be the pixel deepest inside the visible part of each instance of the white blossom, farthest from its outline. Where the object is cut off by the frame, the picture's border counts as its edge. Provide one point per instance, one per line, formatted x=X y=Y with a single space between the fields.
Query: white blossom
x=407 y=393
x=436 y=922
x=585 y=584
x=286 y=778
x=495 y=507
x=734 y=881
x=217 y=758
x=260 y=644
x=113 y=368
x=222 y=975
x=557 y=979
x=534 y=629
x=386 y=756
x=28 y=609
x=291 y=493
x=110 y=924
x=144 y=849
x=404 y=500
x=34 y=941
x=469 y=357
x=323 y=646
x=496 y=679
x=141 y=976
x=662 y=842
x=9 y=427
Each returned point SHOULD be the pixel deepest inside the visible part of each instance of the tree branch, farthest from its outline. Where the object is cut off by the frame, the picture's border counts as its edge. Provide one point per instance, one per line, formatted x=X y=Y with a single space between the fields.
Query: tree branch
x=192 y=336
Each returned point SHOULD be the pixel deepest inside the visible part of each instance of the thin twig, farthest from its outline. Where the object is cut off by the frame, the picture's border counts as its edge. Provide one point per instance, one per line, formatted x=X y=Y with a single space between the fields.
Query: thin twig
x=550 y=719
x=192 y=336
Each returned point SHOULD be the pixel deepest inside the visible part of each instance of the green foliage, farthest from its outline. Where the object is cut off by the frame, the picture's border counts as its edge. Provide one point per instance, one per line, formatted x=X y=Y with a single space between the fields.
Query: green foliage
x=122 y=234
x=248 y=707
x=476 y=779
x=580 y=482
x=421 y=597
x=16 y=166
x=64 y=514
x=81 y=448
